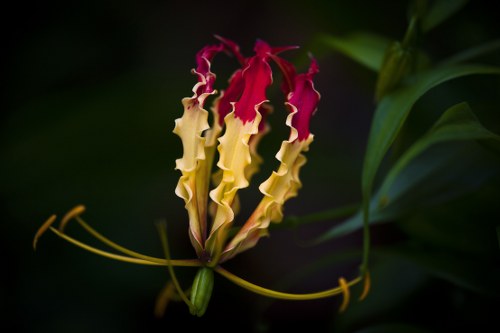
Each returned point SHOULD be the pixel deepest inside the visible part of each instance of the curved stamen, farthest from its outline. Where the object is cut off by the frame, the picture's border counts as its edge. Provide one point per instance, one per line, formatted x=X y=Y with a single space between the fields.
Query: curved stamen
x=46 y=225
x=115 y=246
x=347 y=295
x=165 y=296
x=73 y=213
x=163 y=262
x=281 y=295
x=366 y=286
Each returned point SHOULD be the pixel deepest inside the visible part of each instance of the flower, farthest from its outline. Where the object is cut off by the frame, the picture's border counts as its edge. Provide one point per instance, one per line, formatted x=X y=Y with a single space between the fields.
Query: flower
x=238 y=125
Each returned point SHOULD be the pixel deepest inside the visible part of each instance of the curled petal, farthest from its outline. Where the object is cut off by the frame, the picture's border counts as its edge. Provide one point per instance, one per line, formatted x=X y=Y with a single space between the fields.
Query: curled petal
x=233 y=48
x=206 y=78
x=279 y=187
x=289 y=74
x=233 y=93
x=234 y=158
x=257 y=77
x=283 y=183
x=304 y=98
x=189 y=128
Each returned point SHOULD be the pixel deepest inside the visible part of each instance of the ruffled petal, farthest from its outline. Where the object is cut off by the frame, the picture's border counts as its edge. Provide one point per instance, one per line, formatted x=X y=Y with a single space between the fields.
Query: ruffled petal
x=284 y=183
x=190 y=128
x=234 y=158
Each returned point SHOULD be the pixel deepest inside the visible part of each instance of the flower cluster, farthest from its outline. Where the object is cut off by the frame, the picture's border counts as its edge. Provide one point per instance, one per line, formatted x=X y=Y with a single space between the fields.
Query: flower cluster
x=238 y=125
x=239 y=122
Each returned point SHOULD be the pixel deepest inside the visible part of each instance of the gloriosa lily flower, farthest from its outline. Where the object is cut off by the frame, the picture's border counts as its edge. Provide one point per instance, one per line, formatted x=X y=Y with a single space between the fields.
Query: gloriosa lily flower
x=238 y=124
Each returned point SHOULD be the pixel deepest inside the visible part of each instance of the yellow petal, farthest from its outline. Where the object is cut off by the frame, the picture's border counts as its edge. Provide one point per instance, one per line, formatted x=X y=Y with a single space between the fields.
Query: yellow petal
x=279 y=187
x=190 y=128
x=234 y=158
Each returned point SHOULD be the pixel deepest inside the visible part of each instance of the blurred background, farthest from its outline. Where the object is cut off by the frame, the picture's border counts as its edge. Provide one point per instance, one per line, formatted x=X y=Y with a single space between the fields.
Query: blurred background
x=92 y=91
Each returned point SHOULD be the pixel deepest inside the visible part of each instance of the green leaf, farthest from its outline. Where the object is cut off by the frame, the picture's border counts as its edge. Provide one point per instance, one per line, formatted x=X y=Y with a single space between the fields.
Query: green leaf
x=440 y=174
x=366 y=48
x=440 y=11
x=393 y=110
x=400 y=190
x=456 y=124
x=467 y=272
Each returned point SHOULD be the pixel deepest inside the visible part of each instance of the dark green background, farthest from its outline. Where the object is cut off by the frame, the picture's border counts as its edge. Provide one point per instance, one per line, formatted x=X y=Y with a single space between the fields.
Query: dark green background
x=92 y=91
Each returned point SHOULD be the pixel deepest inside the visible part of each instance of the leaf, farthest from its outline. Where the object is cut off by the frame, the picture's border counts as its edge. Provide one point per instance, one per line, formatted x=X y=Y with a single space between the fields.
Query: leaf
x=392 y=112
x=440 y=11
x=402 y=191
x=467 y=272
x=366 y=48
x=456 y=124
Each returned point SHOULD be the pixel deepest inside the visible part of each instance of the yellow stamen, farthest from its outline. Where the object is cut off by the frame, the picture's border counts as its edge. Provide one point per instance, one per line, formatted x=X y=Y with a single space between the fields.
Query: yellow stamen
x=281 y=295
x=80 y=209
x=42 y=229
x=165 y=296
x=366 y=286
x=185 y=263
x=162 y=230
x=347 y=296
x=115 y=246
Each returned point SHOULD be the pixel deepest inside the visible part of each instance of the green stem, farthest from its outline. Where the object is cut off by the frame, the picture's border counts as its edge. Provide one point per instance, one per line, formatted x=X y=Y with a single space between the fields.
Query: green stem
x=162 y=230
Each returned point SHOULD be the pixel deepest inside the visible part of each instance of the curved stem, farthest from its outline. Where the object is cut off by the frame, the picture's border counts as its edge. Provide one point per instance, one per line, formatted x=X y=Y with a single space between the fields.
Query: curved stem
x=164 y=262
x=281 y=295
x=162 y=231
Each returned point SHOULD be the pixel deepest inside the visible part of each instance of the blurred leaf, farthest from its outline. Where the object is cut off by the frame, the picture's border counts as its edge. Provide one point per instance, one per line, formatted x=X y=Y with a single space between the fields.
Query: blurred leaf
x=473 y=52
x=463 y=226
x=466 y=272
x=366 y=48
x=440 y=11
x=402 y=188
x=393 y=110
x=456 y=124
x=438 y=175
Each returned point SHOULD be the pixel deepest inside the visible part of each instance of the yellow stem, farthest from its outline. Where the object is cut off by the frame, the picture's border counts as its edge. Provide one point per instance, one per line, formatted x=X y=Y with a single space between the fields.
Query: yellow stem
x=281 y=295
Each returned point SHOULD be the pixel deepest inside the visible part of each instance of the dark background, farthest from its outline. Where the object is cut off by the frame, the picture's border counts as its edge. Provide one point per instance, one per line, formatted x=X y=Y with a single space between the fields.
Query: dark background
x=92 y=91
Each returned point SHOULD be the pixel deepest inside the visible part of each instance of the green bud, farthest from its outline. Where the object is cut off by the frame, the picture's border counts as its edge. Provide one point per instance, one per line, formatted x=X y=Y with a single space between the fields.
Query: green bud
x=398 y=62
x=201 y=291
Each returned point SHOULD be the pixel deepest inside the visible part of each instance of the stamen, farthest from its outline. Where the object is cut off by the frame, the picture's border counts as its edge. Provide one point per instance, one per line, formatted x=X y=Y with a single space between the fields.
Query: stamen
x=281 y=295
x=165 y=296
x=366 y=286
x=115 y=246
x=80 y=209
x=42 y=229
x=162 y=230
x=187 y=263
x=345 y=290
